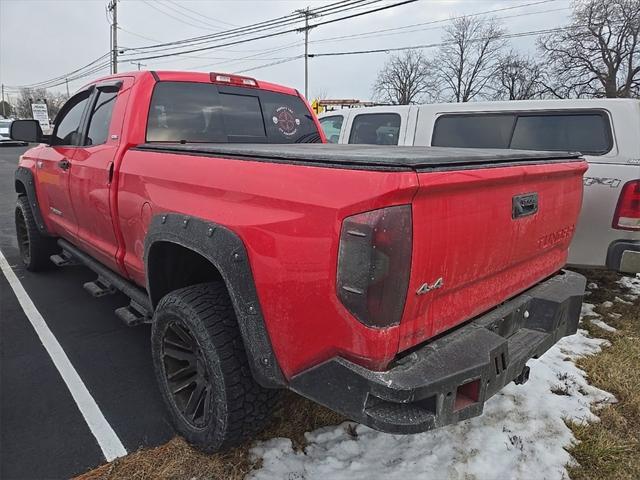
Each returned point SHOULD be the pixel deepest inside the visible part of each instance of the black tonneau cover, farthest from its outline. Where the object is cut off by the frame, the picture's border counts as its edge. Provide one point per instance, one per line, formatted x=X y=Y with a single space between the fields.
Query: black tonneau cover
x=374 y=157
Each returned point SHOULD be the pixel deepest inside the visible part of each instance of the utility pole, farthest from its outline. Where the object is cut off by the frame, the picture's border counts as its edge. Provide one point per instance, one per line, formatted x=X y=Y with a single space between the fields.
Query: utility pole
x=4 y=112
x=113 y=8
x=66 y=81
x=138 y=64
x=307 y=14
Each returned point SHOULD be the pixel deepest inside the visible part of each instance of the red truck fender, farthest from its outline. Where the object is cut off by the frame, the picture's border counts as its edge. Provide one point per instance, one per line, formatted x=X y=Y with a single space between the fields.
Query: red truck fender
x=25 y=184
x=172 y=240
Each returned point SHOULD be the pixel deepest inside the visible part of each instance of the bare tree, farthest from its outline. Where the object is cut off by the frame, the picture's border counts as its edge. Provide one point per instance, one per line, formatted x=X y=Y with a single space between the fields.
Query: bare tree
x=405 y=78
x=320 y=94
x=598 y=54
x=518 y=77
x=469 y=56
x=27 y=96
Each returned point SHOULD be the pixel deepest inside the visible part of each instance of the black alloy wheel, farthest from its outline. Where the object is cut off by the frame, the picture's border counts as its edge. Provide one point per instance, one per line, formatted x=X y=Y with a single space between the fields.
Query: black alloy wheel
x=187 y=375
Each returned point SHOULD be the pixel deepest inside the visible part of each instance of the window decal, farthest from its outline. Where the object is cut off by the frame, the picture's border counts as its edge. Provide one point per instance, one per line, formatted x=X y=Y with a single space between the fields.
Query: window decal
x=286 y=121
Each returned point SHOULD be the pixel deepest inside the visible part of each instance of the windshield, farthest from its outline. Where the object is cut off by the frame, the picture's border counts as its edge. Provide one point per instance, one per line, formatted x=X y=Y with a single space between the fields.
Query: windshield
x=202 y=112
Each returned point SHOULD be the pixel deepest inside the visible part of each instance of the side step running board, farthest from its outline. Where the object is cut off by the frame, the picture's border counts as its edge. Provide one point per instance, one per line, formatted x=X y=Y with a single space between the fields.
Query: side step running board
x=137 y=312
x=62 y=259
x=133 y=314
x=100 y=287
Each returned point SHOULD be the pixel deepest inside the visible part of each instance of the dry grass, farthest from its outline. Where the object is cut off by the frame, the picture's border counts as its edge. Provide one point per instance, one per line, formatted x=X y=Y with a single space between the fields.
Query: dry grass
x=610 y=449
x=178 y=460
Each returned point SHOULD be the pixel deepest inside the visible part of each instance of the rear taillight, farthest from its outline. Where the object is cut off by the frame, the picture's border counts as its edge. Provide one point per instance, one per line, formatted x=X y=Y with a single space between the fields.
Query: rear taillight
x=374 y=263
x=627 y=214
x=233 y=80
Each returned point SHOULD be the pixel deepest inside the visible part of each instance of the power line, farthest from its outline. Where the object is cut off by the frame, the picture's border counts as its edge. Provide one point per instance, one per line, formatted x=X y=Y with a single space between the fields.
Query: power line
x=86 y=70
x=136 y=34
x=380 y=32
x=275 y=34
x=202 y=14
x=156 y=7
x=345 y=5
x=433 y=45
x=446 y=20
x=257 y=27
x=290 y=59
x=66 y=75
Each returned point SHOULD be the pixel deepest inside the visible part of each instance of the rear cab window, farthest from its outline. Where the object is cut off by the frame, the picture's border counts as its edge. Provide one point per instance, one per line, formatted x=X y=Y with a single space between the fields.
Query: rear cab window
x=588 y=132
x=210 y=113
x=375 y=129
x=332 y=126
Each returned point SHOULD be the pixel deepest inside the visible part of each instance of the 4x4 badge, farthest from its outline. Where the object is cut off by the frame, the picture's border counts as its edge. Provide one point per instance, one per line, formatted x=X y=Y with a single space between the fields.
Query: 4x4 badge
x=426 y=288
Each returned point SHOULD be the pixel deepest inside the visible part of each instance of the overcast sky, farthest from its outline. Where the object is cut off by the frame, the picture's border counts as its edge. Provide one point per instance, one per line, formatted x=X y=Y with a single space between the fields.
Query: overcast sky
x=43 y=39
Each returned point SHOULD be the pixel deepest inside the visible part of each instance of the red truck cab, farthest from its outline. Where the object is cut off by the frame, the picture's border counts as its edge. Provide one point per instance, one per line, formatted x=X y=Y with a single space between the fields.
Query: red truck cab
x=400 y=286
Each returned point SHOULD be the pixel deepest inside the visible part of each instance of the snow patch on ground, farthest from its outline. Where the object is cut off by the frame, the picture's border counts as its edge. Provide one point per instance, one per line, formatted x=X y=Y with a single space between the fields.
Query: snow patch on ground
x=588 y=310
x=626 y=302
x=602 y=325
x=522 y=431
x=632 y=283
x=607 y=304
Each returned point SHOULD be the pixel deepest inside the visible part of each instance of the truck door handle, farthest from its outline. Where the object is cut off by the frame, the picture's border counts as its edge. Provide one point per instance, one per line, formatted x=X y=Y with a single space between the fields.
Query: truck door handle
x=64 y=164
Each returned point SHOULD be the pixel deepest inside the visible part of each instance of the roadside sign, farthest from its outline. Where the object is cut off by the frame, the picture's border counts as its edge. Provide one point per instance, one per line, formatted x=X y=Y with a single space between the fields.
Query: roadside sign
x=41 y=114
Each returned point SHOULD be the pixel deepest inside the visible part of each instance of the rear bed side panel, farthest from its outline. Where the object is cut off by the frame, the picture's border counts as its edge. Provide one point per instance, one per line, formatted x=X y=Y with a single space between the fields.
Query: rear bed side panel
x=289 y=218
x=466 y=240
x=603 y=184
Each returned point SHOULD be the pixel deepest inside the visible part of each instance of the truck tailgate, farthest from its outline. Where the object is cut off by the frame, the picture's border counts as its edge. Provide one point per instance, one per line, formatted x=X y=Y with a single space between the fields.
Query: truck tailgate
x=481 y=236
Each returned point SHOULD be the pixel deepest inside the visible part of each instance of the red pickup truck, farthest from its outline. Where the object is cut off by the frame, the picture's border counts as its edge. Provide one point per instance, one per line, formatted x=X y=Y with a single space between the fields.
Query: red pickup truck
x=399 y=286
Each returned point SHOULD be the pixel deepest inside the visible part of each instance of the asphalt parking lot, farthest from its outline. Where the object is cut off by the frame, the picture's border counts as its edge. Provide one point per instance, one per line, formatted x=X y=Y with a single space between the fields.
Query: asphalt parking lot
x=43 y=433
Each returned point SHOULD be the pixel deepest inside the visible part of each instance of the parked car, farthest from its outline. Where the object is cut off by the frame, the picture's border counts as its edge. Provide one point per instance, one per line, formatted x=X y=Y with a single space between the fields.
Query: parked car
x=5 y=139
x=401 y=287
x=606 y=131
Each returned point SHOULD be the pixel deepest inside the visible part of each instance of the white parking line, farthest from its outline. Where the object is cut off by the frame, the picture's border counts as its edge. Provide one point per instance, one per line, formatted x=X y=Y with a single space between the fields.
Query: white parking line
x=107 y=439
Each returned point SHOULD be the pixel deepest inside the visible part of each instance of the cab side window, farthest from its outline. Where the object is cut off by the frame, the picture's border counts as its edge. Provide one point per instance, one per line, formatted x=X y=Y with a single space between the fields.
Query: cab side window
x=67 y=129
x=473 y=131
x=101 y=118
x=375 y=129
x=585 y=133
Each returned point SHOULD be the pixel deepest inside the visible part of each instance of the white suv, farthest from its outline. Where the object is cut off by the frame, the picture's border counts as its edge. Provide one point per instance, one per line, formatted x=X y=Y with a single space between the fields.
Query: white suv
x=606 y=131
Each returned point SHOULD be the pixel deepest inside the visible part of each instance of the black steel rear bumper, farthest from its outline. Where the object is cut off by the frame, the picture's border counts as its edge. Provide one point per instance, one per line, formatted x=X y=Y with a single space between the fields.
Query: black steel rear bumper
x=449 y=379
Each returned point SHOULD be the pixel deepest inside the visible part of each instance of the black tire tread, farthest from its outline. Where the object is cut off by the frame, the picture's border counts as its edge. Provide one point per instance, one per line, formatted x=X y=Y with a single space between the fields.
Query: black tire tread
x=41 y=247
x=249 y=405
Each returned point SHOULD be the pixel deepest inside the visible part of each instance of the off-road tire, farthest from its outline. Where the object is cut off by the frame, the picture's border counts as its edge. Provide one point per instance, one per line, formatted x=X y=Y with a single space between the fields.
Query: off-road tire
x=238 y=406
x=35 y=248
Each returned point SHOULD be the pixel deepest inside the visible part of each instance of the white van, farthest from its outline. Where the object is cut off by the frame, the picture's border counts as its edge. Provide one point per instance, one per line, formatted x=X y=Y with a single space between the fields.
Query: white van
x=606 y=131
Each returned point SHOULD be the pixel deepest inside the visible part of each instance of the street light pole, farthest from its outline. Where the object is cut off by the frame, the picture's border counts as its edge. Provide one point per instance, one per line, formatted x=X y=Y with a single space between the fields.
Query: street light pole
x=307 y=14
x=113 y=8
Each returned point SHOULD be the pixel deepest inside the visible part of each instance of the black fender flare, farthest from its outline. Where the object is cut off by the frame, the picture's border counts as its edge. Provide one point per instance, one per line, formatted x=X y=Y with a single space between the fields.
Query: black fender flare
x=24 y=176
x=226 y=251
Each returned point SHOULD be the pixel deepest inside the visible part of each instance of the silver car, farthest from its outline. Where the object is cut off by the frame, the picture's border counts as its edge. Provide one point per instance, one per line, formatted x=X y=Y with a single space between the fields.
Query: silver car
x=5 y=139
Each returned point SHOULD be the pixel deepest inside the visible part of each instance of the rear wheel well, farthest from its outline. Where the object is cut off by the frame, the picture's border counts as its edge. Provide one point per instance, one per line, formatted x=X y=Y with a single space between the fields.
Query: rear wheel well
x=171 y=266
x=20 y=188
